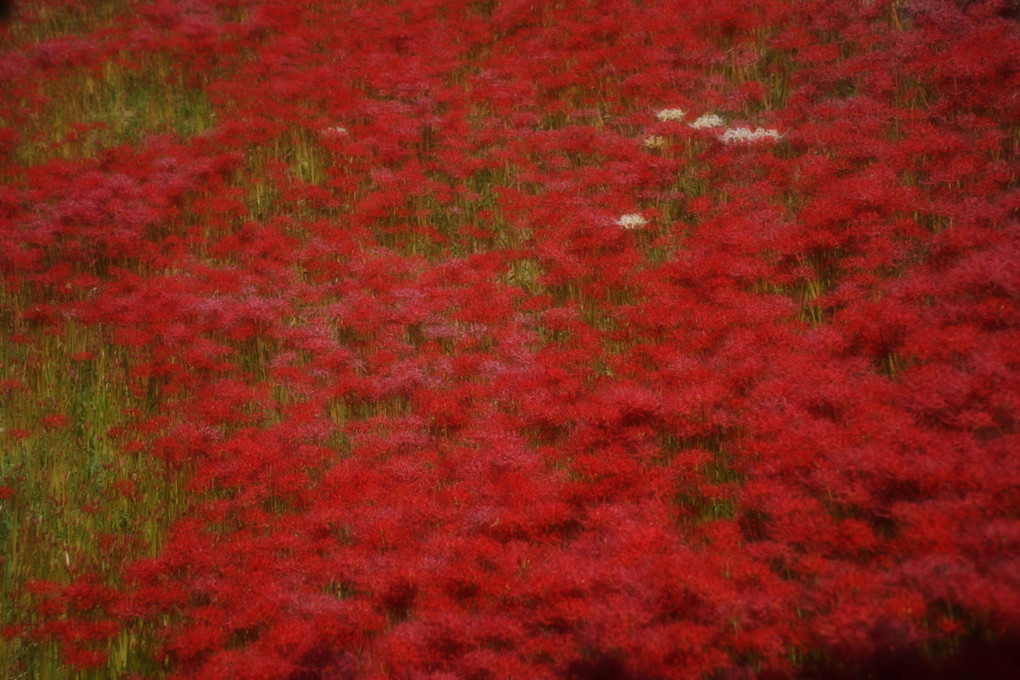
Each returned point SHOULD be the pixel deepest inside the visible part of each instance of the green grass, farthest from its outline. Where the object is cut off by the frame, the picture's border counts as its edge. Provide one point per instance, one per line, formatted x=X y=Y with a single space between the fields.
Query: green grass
x=82 y=503
x=90 y=110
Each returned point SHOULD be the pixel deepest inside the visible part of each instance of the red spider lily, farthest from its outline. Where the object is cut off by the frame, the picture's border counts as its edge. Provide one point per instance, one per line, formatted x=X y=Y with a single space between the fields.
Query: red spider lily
x=451 y=348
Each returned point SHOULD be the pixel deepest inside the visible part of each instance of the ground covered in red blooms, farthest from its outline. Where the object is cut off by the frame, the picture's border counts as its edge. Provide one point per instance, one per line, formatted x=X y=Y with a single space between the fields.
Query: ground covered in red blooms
x=448 y=339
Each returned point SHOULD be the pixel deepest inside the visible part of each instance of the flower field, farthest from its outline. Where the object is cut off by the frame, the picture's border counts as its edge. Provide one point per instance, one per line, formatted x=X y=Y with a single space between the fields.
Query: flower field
x=495 y=339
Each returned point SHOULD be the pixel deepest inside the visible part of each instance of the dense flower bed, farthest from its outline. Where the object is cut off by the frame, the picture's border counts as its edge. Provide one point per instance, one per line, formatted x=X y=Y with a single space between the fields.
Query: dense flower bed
x=449 y=339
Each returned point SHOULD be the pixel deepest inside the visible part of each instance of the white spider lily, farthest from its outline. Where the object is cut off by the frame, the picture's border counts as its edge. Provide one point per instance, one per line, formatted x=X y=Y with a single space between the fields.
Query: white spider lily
x=334 y=132
x=631 y=221
x=671 y=114
x=656 y=142
x=744 y=134
x=709 y=120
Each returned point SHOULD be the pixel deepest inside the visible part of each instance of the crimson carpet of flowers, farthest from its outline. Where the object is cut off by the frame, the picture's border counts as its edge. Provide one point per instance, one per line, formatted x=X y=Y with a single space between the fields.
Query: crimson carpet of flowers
x=507 y=339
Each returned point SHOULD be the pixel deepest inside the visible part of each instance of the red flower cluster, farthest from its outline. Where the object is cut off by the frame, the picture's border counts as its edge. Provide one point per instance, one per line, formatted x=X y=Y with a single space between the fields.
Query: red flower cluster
x=458 y=350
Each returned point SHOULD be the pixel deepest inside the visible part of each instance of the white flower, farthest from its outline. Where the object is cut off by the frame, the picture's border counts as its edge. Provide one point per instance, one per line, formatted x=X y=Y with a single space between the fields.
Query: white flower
x=744 y=134
x=656 y=142
x=671 y=114
x=334 y=132
x=709 y=120
x=631 y=221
